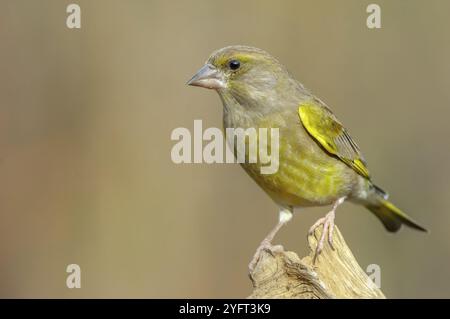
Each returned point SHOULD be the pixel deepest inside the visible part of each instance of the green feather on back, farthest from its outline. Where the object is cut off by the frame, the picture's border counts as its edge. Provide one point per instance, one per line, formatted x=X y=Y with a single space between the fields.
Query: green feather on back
x=326 y=129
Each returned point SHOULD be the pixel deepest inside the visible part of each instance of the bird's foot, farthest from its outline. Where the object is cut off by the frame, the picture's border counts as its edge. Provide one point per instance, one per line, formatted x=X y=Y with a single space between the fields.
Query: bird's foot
x=328 y=228
x=265 y=245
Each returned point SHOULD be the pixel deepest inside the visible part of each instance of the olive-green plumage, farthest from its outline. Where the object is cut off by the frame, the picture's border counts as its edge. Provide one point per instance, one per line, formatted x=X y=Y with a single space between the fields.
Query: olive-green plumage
x=318 y=160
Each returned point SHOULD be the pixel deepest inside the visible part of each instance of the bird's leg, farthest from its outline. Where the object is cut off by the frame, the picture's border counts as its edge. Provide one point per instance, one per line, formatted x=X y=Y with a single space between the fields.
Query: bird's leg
x=328 y=227
x=266 y=244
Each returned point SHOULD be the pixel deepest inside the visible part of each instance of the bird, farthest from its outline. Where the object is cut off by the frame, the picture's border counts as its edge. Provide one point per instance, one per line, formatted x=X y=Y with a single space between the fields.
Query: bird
x=320 y=164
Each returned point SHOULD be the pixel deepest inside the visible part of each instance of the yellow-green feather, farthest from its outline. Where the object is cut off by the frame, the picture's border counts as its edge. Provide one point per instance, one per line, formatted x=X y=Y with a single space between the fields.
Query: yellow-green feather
x=307 y=176
x=324 y=127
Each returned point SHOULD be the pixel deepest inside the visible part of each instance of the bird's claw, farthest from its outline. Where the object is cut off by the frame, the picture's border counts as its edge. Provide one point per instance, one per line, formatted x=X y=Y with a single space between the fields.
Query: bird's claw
x=264 y=246
x=328 y=227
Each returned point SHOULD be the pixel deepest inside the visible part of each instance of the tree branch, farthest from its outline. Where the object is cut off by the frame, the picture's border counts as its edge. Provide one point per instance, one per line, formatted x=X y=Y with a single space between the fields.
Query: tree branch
x=336 y=274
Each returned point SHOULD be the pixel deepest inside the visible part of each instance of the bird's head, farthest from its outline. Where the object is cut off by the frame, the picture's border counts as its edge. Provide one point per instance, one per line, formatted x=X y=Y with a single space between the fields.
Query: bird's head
x=249 y=75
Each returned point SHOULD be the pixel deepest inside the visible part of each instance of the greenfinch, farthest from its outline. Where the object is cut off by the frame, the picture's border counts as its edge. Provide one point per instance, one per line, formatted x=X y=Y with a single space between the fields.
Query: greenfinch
x=319 y=163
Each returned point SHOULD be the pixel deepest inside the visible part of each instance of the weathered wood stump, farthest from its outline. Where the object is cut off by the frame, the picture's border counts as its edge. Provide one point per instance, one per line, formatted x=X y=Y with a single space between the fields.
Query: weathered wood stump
x=336 y=274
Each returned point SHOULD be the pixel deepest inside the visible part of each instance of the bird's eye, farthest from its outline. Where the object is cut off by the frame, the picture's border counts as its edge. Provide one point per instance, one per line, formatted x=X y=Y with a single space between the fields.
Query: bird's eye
x=234 y=64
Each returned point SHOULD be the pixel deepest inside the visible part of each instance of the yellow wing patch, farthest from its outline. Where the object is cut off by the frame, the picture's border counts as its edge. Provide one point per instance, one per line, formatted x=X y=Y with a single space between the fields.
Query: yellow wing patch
x=326 y=129
x=358 y=166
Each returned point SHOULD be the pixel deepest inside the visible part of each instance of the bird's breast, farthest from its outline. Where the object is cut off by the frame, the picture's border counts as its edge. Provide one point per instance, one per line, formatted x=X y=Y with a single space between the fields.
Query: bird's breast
x=306 y=174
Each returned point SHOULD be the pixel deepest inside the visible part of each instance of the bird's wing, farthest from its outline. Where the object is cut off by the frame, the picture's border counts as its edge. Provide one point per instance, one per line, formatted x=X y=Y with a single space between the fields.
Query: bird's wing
x=326 y=129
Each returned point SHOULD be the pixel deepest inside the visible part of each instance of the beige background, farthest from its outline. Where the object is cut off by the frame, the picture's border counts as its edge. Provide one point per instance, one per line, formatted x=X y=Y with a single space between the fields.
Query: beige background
x=85 y=122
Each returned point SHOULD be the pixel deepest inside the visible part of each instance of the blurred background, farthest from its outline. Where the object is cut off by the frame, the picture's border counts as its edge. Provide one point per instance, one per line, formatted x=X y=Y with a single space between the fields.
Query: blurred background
x=86 y=116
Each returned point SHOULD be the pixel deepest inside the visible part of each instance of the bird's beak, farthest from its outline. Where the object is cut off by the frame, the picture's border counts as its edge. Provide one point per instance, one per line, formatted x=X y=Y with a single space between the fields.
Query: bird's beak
x=208 y=77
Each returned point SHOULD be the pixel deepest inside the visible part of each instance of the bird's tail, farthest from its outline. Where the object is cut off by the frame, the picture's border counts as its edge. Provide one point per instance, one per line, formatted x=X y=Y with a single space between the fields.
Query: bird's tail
x=390 y=215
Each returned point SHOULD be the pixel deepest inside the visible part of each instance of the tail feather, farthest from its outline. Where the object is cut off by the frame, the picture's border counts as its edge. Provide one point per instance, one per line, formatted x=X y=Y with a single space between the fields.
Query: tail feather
x=390 y=215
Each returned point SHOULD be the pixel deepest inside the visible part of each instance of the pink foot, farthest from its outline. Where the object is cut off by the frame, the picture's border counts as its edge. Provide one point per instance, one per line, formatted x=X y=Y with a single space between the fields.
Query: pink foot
x=328 y=228
x=264 y=246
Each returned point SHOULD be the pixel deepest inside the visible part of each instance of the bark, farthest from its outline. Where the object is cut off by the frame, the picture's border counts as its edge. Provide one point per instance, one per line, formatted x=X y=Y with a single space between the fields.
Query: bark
x=336 y=274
